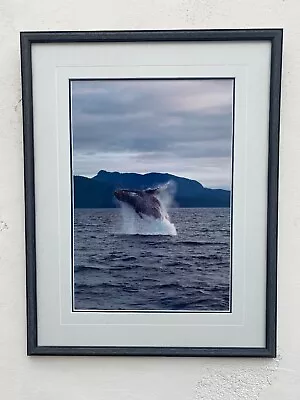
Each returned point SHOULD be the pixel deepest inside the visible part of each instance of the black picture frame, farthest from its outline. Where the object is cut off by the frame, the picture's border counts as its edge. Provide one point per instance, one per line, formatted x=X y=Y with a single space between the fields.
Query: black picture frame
x=275 y=37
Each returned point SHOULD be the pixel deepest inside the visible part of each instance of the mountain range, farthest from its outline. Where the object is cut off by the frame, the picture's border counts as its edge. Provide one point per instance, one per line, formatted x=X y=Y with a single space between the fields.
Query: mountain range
x=97 y=192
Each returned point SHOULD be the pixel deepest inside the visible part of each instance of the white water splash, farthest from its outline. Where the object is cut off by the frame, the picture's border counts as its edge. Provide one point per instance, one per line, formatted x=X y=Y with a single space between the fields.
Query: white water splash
x=132 y=224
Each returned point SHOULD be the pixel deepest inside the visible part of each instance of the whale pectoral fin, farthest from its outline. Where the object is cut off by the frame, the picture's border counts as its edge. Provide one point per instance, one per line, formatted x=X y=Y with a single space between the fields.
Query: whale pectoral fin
x=140 y=215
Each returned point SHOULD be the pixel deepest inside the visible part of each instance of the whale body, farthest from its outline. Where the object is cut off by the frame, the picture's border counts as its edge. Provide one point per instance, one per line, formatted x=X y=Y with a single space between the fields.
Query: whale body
x=143 y=202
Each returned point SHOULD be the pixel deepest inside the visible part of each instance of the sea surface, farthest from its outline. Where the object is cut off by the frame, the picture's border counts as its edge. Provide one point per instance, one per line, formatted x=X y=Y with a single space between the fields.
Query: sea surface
x=117 y=271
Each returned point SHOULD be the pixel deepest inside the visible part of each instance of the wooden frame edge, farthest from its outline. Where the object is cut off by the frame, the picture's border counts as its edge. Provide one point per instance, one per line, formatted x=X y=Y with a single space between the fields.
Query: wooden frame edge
x=276 y=38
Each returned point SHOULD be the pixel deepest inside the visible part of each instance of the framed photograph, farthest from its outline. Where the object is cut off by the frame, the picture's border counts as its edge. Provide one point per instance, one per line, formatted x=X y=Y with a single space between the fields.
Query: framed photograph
x=151 y=186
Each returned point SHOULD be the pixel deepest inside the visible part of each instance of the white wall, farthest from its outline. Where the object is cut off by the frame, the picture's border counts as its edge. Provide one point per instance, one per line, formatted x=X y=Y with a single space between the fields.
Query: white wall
x=107 y=378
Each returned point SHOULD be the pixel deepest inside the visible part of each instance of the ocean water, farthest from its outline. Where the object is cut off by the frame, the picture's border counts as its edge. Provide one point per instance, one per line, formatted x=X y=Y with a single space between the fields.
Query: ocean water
x=187 y=269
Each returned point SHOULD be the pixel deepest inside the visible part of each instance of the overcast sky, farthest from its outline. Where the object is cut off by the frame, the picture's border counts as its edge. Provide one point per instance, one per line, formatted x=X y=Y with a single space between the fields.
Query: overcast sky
x=183 y=127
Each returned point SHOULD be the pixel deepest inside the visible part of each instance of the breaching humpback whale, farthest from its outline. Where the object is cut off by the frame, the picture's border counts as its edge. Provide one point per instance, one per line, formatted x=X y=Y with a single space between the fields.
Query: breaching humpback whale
x=144 y=202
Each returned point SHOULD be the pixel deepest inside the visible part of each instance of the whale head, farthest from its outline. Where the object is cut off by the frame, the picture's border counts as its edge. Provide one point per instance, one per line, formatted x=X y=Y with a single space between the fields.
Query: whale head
x=124 y=195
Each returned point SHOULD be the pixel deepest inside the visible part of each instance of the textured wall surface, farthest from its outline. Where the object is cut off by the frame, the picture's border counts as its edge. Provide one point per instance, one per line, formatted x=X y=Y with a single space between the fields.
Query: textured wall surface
x=144 y=378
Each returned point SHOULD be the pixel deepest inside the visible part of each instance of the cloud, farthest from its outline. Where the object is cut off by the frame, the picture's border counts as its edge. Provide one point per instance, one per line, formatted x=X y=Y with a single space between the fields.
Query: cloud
x=177 y=126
